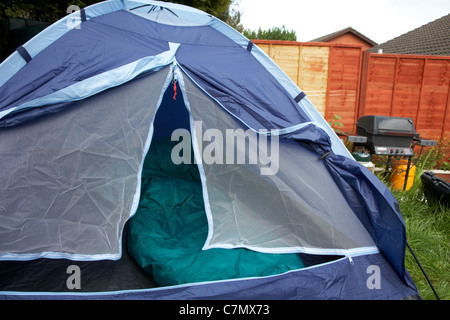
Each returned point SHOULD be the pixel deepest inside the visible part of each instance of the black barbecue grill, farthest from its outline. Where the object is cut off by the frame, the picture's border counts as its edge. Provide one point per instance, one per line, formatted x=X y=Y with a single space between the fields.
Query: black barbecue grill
x=387 y=135
x=390 y=136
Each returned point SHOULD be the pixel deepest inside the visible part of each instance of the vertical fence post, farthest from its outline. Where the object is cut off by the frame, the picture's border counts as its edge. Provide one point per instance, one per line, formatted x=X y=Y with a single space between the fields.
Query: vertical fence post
x=358 y=88
x=394 y=85
x=446 y=112
x=416 y=121
x=363 y=84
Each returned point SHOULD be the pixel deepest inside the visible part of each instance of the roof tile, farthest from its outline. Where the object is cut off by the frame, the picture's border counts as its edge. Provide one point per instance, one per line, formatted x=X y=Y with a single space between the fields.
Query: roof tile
x=430 y=39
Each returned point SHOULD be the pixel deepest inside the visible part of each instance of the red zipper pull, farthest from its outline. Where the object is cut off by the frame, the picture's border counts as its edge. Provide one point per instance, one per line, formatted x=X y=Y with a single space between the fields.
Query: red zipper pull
x=175 y=89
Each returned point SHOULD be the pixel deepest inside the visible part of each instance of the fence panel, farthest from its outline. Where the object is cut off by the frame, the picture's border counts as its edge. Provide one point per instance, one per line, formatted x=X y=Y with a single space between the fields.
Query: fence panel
x=305 y=64
x=328 y=73
x=431 y=120
x=343 y=85
x=409 y=86
x=378 y=85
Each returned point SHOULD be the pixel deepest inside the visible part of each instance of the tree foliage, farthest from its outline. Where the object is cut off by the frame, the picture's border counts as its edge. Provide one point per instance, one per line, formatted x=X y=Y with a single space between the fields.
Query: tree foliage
x=234 y=17
x=274 y=33
x=217 y=8
x=53 y=10
x=40 y=10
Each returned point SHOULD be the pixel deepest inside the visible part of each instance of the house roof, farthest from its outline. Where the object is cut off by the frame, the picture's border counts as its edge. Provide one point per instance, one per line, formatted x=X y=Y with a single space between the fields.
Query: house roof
x=336 y=34
x=430 y=39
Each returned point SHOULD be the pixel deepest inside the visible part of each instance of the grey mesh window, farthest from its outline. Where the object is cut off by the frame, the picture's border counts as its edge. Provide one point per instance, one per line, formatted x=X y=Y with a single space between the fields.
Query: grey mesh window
x=69 y=181
x=299 y=208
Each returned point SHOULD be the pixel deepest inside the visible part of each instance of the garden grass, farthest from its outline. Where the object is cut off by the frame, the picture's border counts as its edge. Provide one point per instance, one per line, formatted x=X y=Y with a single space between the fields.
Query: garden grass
x=428 y=233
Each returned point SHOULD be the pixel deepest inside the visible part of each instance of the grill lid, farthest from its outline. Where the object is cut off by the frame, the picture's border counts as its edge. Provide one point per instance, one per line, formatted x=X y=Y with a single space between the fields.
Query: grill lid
x=387 y=135
x=392 y=136
x=384 y=125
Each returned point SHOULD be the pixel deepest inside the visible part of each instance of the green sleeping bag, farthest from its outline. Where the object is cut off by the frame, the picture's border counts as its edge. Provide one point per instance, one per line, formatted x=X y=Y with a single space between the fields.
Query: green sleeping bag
x=169 y=229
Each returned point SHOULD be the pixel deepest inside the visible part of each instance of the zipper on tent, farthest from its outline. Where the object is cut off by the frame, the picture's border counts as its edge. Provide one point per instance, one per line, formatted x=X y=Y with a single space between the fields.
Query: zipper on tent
x=174 y=80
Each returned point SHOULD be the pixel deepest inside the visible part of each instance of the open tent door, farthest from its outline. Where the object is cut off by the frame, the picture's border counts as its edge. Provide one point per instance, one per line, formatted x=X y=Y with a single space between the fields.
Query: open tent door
x=207 y=215
x=169 y=230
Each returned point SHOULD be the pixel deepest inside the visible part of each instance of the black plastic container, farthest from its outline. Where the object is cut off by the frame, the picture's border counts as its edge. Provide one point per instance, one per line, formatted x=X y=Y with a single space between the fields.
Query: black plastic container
x=435 y=187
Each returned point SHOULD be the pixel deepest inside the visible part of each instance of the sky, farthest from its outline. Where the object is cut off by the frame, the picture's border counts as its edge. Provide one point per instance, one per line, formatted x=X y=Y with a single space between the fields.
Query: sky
x=379 y=20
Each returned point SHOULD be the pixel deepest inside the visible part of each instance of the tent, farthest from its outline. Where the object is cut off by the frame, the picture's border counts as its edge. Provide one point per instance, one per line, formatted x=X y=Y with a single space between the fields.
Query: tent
x=150 y=151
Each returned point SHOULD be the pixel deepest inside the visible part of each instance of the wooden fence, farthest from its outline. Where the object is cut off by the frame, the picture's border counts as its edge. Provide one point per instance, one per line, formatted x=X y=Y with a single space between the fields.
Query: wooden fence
x=344 y=80
x=328 y=73
x=412 y=86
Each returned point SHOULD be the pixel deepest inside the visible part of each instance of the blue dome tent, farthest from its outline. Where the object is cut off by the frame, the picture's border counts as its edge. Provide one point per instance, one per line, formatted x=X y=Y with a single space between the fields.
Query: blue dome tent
x=89 y=109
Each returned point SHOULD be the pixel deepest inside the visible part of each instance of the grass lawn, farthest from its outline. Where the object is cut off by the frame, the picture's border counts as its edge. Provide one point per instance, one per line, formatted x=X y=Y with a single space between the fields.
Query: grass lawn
x=428 y=233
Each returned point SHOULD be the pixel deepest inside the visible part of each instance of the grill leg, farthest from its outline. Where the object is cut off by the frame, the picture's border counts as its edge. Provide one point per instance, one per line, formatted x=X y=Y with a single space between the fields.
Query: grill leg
x=386 y=172
x=407 y=173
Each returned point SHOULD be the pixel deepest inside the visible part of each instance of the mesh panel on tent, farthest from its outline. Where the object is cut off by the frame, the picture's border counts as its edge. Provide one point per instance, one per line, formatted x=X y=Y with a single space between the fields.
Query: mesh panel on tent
x=69 y=182
x=299 y=208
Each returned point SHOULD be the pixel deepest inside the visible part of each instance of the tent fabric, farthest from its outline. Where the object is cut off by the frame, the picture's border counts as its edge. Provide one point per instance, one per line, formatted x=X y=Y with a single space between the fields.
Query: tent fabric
x=374 y=205
x=129 y=31
x=97 y=83
x=78 y=119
